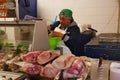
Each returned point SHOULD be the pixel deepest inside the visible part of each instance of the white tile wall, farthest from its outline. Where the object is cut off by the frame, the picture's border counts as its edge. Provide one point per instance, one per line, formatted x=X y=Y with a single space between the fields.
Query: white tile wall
x=101 y=14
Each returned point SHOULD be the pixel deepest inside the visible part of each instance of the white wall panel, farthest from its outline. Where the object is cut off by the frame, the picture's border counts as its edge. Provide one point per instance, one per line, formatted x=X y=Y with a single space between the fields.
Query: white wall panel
x=101 y=14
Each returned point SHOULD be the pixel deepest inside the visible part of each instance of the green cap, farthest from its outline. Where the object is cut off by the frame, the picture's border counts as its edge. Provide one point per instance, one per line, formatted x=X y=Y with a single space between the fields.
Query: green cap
x=66 y=12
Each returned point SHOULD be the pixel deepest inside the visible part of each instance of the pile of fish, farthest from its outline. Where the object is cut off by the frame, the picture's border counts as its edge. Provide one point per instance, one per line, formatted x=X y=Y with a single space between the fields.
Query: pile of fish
x=49 y=64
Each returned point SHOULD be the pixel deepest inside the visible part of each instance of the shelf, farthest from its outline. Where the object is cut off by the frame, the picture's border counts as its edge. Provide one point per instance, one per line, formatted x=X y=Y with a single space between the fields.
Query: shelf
x=25 y=22
x=11 y=8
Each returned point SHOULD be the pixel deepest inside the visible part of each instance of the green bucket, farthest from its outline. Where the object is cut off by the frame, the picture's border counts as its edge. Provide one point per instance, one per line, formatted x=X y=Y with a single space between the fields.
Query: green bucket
x=53 y=41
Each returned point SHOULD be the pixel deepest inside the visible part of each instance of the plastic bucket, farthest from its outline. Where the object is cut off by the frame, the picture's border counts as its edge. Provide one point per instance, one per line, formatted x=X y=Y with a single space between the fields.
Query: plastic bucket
x=53 y=41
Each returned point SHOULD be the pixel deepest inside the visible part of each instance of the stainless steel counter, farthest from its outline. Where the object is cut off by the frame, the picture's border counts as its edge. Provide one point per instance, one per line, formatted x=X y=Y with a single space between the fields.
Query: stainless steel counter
x=100 y=73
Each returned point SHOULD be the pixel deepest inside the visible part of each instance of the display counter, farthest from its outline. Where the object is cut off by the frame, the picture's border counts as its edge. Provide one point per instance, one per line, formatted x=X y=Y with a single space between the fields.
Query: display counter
x=109 y=48
x=93 y=49
x=96 y=73
x=10 y=65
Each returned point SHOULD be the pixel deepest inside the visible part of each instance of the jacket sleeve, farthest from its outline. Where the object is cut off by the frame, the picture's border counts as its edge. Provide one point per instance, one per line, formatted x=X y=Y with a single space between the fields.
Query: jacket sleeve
x=53 y=26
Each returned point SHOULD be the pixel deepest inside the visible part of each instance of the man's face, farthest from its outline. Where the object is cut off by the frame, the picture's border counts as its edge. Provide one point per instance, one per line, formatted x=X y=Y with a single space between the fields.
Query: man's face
x=64 y=21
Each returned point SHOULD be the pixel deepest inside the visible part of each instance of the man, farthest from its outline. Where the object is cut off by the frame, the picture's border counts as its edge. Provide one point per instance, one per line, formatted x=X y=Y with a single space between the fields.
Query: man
x=68 y=30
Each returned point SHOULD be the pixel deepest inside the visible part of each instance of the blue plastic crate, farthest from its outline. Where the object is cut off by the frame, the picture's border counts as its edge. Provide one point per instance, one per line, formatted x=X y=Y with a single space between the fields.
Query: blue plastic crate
x=95 y=49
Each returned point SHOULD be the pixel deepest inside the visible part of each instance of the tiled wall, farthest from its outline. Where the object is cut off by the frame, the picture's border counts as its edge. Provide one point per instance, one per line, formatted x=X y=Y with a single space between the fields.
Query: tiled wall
x=101 y=14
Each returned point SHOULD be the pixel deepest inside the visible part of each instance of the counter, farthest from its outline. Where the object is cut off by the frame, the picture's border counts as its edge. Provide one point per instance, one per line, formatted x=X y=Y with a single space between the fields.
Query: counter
x=100 y=72
x=108 y=50
x=25 y=22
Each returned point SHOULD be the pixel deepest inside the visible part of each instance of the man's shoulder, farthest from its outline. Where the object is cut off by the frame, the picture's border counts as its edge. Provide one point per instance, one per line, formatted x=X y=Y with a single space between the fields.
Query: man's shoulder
x=74 y=27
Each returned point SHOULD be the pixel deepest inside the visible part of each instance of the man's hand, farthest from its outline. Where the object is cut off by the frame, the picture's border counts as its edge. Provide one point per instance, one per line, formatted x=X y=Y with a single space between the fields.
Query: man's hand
x=56 y=34
x=49 y=28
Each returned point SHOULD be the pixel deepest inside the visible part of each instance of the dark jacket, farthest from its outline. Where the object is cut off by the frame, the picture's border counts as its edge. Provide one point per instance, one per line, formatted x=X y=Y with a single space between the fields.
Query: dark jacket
x=71 y=38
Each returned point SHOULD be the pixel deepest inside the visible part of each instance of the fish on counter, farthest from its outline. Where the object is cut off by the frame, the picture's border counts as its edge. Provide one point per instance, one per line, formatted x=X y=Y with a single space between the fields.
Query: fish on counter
x=64 y=61
x=46 y=56
x=77 y=69
x=32 y=69
x=49 y=64
x=31 y=57
x=49 y=71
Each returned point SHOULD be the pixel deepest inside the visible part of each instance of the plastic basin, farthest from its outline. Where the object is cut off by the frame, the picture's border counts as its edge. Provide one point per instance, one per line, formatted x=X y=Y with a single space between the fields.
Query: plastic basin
x=53 y=41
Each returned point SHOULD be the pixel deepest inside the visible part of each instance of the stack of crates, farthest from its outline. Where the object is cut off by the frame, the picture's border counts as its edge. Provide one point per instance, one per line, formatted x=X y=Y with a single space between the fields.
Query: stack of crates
x=3 y=9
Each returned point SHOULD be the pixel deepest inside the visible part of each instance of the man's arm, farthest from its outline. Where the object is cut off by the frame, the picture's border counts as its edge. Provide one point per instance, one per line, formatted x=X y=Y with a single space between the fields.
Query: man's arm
x=53 y=26
x=57 y=34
